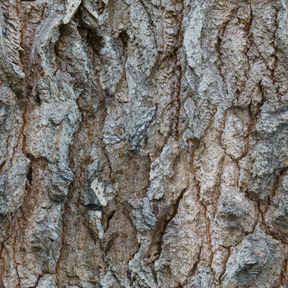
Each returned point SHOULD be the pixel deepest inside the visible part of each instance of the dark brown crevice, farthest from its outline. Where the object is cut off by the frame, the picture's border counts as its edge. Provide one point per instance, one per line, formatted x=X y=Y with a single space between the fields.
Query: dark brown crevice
x=172 y=209
x=175 y=101
x=163 y=221
x=29 y=174
x=283 y=272
x=219 y=52
x=276 y=60
x=38 y=280
x=174 y=123
x=24 y=59
x=180 y=76
x=100 y=7
x=261 y=103
x=178 y=107
x=93 y=41
x=126 y=208
x=258 y=205
x=206 y=218
x=66 y=204
x=103 y=146
x=96 y=43
x=66 y=207
x=124 y=38
x=274 y=235
x=108 y=160
x=110 y=216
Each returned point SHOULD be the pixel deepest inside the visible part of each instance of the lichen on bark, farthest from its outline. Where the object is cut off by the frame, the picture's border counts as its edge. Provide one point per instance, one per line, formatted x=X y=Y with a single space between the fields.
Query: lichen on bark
x=143 y=143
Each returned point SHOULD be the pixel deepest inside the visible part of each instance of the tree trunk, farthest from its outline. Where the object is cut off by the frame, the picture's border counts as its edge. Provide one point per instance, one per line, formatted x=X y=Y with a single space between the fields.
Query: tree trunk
x=143 y=143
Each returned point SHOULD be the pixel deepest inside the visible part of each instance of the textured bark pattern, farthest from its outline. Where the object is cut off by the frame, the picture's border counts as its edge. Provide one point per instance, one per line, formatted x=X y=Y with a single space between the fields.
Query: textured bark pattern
x=143 y=143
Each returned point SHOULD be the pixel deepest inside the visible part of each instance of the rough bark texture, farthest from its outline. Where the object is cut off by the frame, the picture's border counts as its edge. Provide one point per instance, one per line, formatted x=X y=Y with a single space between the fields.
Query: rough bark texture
x=143 y=143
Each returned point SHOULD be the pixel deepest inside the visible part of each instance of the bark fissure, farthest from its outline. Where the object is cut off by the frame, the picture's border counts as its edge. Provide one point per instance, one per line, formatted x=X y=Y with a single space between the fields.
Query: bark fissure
x=143 y=143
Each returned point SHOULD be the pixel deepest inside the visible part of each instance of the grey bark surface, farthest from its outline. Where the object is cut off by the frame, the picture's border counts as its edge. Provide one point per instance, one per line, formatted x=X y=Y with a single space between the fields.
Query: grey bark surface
x=144 y=143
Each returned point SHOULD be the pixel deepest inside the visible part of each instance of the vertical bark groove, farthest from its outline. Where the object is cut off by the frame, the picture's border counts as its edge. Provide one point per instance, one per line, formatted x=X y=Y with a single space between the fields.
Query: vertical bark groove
x=143 y=143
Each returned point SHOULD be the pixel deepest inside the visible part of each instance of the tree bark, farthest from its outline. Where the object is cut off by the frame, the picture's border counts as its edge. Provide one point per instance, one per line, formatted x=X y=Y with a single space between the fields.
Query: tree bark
x=143 y=143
